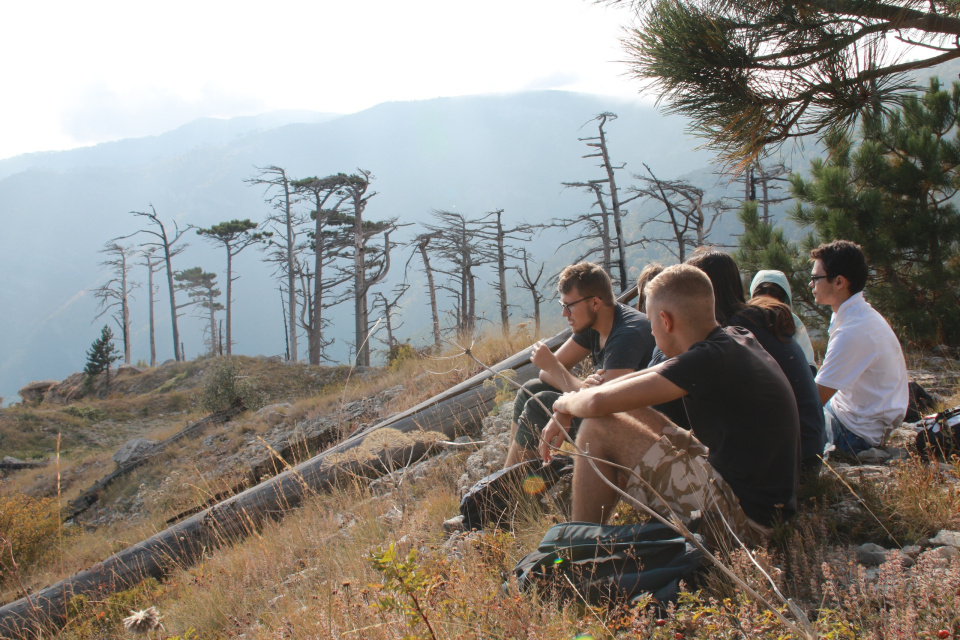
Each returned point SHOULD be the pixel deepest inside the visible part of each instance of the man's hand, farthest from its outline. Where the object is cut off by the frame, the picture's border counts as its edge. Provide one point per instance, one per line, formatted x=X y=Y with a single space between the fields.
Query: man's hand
x=541 y=356
x=554 y=434
x=594 y=379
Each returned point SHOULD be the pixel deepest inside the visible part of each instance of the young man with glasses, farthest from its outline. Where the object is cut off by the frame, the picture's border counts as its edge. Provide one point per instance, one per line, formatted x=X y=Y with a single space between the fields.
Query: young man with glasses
x=616 y=337
x=863 y=378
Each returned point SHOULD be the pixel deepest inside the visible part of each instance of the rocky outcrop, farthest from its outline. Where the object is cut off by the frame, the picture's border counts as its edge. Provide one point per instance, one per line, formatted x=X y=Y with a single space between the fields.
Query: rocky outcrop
x=70 y=389
x=35 y=391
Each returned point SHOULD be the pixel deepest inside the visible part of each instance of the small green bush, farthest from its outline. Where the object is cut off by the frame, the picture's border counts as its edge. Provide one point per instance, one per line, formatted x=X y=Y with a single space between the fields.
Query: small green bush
x=86 y=413
x=224 y=384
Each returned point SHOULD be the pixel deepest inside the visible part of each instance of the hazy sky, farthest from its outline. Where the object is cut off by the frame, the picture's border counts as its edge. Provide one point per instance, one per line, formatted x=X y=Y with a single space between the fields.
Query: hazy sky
x=78 y=73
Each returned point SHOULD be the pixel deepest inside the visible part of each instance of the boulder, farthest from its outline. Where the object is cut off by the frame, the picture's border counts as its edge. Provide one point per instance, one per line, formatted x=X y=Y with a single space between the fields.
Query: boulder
x=127 y=370
x=871 y=555
x=35 y=391
x=873 y=456
x=946 y=538
x=133 y=450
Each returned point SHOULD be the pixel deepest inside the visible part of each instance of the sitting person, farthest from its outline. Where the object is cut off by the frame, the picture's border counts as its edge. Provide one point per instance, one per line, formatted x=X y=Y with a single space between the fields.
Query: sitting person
x=772 y=324
x=615 y=336
x=673 y=410
x=863 y=379
x=740 y=405
x=773 y=283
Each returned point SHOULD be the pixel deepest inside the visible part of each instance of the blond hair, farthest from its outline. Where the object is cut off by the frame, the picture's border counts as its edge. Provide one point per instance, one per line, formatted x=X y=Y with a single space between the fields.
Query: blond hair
x=684 y=290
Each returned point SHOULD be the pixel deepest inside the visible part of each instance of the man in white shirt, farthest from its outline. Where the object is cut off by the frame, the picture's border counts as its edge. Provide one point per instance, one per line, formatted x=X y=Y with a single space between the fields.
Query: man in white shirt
x=863 y=379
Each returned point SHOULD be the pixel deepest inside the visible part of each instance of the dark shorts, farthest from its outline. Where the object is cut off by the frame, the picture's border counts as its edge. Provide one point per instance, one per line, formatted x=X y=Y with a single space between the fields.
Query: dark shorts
x=531 y=417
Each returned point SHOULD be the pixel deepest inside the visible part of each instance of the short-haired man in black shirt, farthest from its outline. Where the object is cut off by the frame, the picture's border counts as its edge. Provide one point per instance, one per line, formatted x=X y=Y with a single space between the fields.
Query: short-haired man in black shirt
x=616 y=337
x=741 y=458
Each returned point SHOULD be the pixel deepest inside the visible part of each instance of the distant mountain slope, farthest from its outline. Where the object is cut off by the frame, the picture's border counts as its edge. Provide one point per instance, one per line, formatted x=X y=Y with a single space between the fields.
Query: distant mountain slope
x=469 y=154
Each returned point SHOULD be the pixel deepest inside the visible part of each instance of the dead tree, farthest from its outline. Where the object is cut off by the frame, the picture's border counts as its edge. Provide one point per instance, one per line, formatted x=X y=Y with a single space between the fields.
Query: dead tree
x=370 y=265
x=153 y=266
x=189 y=541
x=767 y=178
x=114 y=296
x=327 y=240
x=456 y=241
x=683 y=213
x=498 y=244
x=530 y=283
x=609 y=205
x=285 y=223
x=388 y=306
x=421 y=243
x=235 y=236
x=168 y=245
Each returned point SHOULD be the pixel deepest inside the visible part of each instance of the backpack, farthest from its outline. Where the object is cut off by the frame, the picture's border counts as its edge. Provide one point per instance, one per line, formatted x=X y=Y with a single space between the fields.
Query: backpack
x=939 y=433
x=603 y=564
x=491 y=500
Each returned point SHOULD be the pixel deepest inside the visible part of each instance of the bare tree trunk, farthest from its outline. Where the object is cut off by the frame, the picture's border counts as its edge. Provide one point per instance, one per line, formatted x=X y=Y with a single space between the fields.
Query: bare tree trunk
x=229 y=300
x=153 y=333
x=422 y=246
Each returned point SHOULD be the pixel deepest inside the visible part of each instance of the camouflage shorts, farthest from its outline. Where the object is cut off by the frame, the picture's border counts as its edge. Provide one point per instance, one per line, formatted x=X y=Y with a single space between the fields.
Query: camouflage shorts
x=676 y=468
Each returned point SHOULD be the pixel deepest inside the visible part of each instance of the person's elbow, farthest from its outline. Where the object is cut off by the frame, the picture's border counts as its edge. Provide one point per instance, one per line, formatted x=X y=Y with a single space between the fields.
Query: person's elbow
x=825 y=393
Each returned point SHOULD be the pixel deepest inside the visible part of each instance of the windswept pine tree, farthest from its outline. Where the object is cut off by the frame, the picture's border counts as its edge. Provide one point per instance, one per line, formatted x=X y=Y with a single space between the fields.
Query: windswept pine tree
x=100 y=356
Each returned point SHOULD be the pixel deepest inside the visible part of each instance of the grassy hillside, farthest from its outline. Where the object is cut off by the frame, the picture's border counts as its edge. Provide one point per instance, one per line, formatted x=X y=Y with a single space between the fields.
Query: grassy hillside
x=370 y=560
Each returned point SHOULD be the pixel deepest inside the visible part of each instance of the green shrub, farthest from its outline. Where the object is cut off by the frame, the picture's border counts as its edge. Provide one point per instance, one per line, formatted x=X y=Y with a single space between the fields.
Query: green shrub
x=224 y=384
x=87 y=413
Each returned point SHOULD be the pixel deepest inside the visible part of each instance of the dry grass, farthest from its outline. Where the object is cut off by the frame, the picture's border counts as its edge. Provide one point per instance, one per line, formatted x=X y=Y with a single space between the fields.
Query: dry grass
x=341 y=564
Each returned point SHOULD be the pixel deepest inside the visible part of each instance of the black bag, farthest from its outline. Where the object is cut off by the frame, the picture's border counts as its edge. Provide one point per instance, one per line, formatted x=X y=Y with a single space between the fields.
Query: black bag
x=940 y=434
x=491 y=500
x=603 y=564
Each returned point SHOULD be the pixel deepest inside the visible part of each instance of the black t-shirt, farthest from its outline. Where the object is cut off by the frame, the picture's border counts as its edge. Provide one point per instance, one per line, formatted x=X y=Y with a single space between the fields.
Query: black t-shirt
x=741 y=406
x=629 y=345
x=793 y=363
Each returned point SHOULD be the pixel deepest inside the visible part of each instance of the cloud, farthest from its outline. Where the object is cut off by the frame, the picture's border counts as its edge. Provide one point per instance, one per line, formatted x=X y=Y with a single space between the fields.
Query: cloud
x=101 y=113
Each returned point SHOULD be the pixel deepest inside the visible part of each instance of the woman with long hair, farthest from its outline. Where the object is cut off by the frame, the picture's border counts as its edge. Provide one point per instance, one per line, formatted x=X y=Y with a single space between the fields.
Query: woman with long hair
x=771 y=323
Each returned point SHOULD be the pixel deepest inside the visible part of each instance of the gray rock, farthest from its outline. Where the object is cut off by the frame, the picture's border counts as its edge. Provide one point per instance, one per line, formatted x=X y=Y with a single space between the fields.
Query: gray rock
x=274 y=409
x=133 y=450
x=912 y=551
x=906 y=560
x=873 y=456
x=942 y=554
x=127 y=370
x=946 y=538
x=871 y=555
x=897 y=453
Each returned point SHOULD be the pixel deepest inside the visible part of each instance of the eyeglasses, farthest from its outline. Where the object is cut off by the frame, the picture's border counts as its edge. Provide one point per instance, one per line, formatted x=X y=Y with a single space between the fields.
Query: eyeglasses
x=566 y=307
x=814 y=279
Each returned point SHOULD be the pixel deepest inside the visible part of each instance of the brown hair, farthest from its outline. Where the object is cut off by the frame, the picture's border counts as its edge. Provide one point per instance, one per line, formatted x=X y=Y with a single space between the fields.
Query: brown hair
x=651 y=271
x=725 y=277
x=589 y=279
x=769 y=313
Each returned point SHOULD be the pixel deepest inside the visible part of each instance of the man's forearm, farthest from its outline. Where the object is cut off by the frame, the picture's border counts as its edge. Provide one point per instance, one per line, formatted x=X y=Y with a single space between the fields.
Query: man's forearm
x=560 y=378
x=623 y=394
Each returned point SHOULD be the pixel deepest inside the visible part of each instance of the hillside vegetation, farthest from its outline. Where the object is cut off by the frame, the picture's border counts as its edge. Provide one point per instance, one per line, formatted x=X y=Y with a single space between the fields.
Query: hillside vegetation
x=370 y=560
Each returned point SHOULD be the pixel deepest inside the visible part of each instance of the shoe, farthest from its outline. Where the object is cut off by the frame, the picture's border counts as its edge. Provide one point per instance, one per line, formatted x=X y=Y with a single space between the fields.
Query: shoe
x=453 y=524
